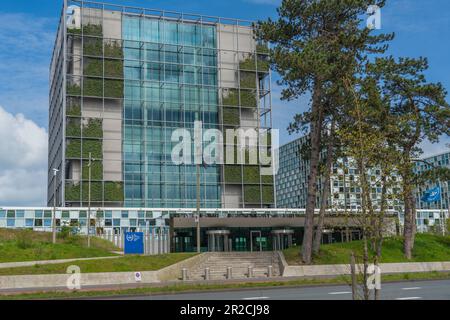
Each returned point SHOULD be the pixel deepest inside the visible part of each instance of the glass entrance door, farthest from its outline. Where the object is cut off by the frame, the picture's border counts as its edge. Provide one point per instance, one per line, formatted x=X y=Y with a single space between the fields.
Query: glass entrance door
x=240 y=243
x=255 y=241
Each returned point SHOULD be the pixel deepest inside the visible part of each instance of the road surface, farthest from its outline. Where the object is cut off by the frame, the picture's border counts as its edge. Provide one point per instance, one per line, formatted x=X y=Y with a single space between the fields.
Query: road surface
x=409 y=290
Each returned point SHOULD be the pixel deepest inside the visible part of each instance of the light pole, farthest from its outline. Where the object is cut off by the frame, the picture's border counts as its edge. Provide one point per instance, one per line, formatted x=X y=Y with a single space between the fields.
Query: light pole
x=55 y=173
x=89 y=202
x=198 y=208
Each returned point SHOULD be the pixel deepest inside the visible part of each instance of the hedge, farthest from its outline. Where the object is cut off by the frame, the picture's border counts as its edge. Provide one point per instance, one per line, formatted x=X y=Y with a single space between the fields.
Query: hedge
x=73 y=89
x=93 y=47
x=93 y=67
x=231 y=99
x=231 y=116
x=73 y=110
x=248 y=80
x=96 y=191
x=114 y=88
x=113 y=68
x=93 y=128
x=113 y=50
x=248 y=64
x=73 y=129
x=233 y=174
x=267 y=194
x=248 y=98
x=93 y=87
x=89 y=29
x=114 y=191
x=251 y=174
x=72 y=192
x=96 y=170
x=95 y=147
x=252 y=194
x=73 y=148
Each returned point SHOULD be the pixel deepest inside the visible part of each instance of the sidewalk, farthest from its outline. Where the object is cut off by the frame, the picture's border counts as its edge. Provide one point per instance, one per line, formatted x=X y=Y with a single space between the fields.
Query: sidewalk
x=5 y=265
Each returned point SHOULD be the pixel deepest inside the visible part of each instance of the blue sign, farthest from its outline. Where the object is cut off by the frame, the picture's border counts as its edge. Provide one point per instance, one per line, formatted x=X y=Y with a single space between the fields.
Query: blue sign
x=134 y=243
x=432 y=195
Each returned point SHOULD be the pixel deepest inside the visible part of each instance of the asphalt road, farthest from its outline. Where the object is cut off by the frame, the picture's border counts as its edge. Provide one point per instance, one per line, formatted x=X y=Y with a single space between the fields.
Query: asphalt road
x=411 y=290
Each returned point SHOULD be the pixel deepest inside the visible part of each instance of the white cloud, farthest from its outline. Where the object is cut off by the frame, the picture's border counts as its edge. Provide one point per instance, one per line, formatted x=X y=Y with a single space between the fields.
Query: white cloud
x=23 y=161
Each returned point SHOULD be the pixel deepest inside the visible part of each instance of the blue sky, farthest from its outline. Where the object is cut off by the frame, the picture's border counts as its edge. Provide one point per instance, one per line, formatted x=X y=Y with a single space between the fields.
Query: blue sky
x=27 y=31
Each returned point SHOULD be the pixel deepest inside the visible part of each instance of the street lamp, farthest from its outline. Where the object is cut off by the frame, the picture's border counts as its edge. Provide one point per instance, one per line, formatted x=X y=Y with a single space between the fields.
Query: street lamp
x=55 y=173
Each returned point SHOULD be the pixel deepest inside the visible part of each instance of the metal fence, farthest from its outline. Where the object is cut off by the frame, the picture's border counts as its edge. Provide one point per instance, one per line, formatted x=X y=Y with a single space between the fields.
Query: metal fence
x=156 y=240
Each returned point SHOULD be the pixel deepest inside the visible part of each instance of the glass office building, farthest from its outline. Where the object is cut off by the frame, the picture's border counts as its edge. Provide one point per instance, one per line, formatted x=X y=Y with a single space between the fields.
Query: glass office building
x=123 y=79
x=345 y=192
x=437 y=161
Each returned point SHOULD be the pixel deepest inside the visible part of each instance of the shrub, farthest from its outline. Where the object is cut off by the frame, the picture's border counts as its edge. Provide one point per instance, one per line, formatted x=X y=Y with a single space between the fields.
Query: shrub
x=114 y=191
x=248 y=80
x=72 y=192
x=96 y=191
x=233 y=174
x=93 y=47
x=251 y=174
x=73 y=148
x=73 y=128
x=248 y=98
x=94 y=147
x=114 y=88
x=113 y=68
x=248 y=63
x=73 y=110
x=113 y=50
x=252 y=194
x=96 y=170
x=93 y=87
x=231 y=116
x=93 y=128
x=64 y=233
x=267 y=194
x=230 y=97
x=73 y=89
x=93 y=67
x=24 y=239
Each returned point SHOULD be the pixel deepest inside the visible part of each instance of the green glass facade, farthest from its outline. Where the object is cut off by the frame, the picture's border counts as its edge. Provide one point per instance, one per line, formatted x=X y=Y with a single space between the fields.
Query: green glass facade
x=170 y=82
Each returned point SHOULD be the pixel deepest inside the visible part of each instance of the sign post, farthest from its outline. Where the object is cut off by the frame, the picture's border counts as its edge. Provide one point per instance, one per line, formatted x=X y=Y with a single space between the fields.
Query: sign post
x=134 y=243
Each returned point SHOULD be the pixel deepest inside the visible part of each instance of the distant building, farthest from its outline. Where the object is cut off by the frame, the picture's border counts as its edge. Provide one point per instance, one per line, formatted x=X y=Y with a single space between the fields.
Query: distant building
x=345 y=194
x=432 y=212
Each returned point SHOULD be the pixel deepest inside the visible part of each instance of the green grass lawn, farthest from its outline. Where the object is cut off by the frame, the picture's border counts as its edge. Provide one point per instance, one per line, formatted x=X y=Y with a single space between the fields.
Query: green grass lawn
x=122 y=264
x=427 y=248
x=27 y=245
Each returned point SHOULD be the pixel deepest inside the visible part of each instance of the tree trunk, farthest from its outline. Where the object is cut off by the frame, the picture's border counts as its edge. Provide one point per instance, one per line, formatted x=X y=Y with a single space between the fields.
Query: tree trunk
x=325 y=192
x=409 y=202
x=315 y=138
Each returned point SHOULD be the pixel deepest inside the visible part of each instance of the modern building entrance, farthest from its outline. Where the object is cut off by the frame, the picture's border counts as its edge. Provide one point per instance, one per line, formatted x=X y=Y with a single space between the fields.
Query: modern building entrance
x=281 y=239
x=219 y=241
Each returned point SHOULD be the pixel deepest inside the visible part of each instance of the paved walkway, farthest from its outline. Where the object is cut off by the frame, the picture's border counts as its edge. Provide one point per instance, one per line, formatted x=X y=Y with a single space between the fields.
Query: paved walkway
x=33 y=263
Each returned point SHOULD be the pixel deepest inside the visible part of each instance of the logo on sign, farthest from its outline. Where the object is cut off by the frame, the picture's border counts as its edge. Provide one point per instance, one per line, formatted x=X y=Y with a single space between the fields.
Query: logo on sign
x=138 y=276
x=132 y=237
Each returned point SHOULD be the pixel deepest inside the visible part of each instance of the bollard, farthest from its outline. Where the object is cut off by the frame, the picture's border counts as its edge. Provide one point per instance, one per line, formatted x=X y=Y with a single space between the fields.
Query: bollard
x=229 y=273
x=184 y=274
x=250 y=272
x=206 y=273
x=269 y=271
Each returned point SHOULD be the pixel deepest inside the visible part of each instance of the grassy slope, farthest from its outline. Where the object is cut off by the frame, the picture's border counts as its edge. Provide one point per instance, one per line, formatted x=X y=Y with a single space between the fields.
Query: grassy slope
x=26 y=245
x=127 y=263
x=427 y=248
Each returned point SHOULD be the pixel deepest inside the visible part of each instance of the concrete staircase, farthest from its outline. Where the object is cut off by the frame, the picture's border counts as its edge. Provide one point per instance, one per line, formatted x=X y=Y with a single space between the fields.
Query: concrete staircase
x=218 y=262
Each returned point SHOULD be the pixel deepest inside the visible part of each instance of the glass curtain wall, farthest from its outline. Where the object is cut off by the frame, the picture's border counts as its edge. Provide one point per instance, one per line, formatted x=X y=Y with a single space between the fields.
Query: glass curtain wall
x=170 y=81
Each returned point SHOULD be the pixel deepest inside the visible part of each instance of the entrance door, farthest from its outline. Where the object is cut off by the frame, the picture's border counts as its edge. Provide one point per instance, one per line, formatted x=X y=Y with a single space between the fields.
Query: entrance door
x=256 y=241
x=240 y=243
